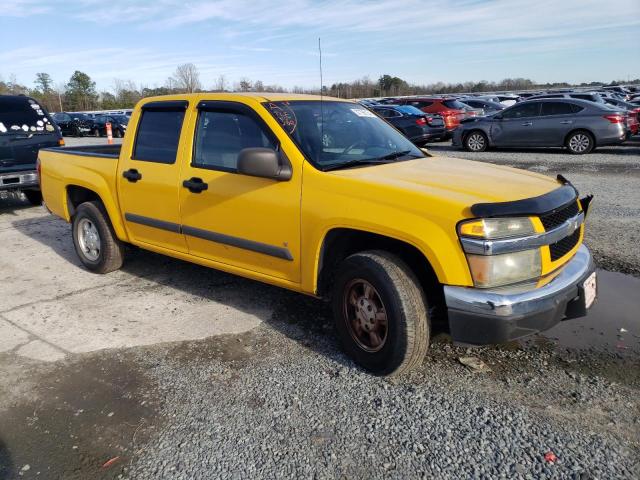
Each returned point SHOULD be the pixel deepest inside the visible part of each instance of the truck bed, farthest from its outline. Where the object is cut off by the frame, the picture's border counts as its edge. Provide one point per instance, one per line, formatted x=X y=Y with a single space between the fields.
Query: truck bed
x=92 y=167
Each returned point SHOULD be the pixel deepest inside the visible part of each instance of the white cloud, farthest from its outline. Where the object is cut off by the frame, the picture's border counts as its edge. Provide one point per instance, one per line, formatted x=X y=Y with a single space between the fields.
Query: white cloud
x=23 y=8
x=437 y=19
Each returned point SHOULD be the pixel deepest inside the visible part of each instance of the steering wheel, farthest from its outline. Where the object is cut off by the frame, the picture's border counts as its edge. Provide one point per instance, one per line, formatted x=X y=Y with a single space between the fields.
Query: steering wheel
x=354 y=145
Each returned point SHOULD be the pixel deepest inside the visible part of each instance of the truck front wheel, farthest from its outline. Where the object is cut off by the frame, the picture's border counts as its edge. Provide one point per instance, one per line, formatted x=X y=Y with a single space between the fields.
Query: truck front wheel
x=96 y=244
x=380 y=312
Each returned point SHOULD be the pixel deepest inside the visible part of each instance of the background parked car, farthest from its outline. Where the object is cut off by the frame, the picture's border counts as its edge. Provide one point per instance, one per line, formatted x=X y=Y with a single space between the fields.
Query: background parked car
x=118 y=125
x=417 y=126
x=578 y=125
x=505 y=99
x=25 y=128
x=632 y=110
x=449 y=108
x=589 y=96
x=72 y=124
x=486 y=105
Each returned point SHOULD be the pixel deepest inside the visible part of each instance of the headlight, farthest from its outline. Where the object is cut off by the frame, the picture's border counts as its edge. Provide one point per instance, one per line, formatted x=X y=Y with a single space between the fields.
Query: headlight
x=492 y=228
x=499 y=270
x=503 y=269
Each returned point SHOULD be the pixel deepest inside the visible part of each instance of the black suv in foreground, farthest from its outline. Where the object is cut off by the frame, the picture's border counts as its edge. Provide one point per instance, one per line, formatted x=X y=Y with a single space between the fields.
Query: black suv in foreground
x=25 y=128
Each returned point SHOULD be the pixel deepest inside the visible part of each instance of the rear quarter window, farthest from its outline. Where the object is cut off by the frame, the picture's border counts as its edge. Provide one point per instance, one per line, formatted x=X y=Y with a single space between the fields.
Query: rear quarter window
x=158 y=136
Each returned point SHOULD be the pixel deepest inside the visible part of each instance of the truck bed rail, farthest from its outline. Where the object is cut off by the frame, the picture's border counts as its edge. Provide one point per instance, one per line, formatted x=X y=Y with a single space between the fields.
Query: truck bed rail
x=107 y=151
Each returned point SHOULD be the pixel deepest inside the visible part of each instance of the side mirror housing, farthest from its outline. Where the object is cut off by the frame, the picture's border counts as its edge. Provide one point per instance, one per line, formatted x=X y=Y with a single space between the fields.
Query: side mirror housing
x=498 y=116
x=265 y=163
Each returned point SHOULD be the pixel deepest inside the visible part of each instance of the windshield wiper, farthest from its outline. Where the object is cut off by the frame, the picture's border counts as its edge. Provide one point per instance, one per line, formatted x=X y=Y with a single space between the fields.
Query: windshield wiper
x=370 y=161
x=394 y=155
x=355 y=163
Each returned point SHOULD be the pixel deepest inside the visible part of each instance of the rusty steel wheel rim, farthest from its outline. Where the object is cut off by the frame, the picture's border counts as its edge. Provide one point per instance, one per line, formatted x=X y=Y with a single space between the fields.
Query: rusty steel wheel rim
x=365 y=315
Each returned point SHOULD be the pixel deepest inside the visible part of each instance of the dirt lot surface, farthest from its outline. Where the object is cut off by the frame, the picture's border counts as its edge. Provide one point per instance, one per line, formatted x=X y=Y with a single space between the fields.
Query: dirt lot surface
x=169 y=370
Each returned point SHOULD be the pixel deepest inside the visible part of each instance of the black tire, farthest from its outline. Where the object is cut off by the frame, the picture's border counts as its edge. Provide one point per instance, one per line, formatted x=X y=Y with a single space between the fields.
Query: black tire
x=407 y=332
x=96 y=132
x=110 y=253
x=475 y=141
x=580 y=142
x=117 y=133
x=33 y=196
x=75 y=131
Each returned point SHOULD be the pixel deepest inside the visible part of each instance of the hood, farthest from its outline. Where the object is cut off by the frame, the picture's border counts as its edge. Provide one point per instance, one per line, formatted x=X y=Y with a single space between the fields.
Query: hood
x=452 y=180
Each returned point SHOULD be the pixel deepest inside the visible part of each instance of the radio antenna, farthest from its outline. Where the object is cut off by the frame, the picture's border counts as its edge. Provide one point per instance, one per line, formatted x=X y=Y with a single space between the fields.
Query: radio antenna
x=321 y=100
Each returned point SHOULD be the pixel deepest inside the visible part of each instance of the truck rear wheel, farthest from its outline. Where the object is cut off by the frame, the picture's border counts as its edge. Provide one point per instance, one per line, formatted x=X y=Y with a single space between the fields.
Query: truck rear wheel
x=380 y=312
x=96 y=244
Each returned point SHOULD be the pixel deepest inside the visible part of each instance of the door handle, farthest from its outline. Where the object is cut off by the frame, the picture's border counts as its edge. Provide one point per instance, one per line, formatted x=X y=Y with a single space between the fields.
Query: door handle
x=195 y=185
x=132 y=175
x=527 y=124
x=567 y=122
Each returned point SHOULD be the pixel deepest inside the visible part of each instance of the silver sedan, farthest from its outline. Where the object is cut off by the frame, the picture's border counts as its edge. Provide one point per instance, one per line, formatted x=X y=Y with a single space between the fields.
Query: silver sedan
x=577 y=125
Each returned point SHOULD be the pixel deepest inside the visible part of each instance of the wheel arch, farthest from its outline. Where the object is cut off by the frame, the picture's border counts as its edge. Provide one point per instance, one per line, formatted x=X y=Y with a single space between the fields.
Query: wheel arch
x=77 y=194
x=341 y=242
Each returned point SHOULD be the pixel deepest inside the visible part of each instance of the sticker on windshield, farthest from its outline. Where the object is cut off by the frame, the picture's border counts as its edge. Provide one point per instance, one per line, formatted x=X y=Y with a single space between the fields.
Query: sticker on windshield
x=361 y=112
x=285 y=116
x=3 y=129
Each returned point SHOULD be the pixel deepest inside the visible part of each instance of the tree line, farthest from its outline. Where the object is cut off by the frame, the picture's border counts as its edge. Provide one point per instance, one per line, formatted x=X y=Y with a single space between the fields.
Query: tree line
x=79 y=92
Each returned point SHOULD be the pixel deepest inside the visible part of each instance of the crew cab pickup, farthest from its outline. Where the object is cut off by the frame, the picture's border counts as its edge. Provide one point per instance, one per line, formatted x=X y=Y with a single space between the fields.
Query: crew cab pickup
x=323 y=197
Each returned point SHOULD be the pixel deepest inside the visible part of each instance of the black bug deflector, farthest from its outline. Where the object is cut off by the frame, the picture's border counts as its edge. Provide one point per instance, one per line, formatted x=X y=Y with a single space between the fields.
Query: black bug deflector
x=546 y=203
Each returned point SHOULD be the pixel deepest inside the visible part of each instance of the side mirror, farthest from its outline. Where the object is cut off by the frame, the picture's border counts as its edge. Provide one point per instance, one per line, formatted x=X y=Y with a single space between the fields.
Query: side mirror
x=265 y=163
x=498 y=116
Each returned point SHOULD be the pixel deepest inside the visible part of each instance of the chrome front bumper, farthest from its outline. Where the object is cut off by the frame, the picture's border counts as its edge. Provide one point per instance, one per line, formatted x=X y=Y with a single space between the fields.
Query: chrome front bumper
x=18 y=180
x=480 y=316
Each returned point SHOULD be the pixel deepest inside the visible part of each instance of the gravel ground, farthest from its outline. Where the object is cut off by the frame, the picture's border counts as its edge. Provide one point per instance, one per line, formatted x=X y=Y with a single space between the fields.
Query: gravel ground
x=281 y=401
x=281 y=410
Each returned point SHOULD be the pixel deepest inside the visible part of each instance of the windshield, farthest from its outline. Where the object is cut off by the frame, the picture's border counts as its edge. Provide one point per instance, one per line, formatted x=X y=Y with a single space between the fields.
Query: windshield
x=79 y=116
x=334 y=133
x=19 y=115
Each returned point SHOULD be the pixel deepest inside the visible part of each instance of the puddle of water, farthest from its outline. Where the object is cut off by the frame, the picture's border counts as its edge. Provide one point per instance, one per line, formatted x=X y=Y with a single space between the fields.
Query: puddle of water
x=612 y=325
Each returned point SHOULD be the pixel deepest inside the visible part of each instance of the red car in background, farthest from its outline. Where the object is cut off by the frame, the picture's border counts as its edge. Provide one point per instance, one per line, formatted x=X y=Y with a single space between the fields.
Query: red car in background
x=450 y=109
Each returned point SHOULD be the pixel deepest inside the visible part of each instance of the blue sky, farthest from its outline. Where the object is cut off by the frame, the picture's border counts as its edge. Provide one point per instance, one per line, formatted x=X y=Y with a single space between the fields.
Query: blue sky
x=421 y=41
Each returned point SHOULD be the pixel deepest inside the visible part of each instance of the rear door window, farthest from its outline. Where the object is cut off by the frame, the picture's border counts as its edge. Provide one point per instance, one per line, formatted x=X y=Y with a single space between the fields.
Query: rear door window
x=20 y=115
x=556 y=108
x=158 y=135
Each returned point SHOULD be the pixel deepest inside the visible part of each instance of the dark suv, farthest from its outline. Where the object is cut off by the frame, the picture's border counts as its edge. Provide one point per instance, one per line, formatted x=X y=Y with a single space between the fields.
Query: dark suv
x=25 y=128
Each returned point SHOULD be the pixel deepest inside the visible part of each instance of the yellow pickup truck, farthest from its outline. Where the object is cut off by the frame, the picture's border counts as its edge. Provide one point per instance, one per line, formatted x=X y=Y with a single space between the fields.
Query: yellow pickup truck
x=323 y=197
